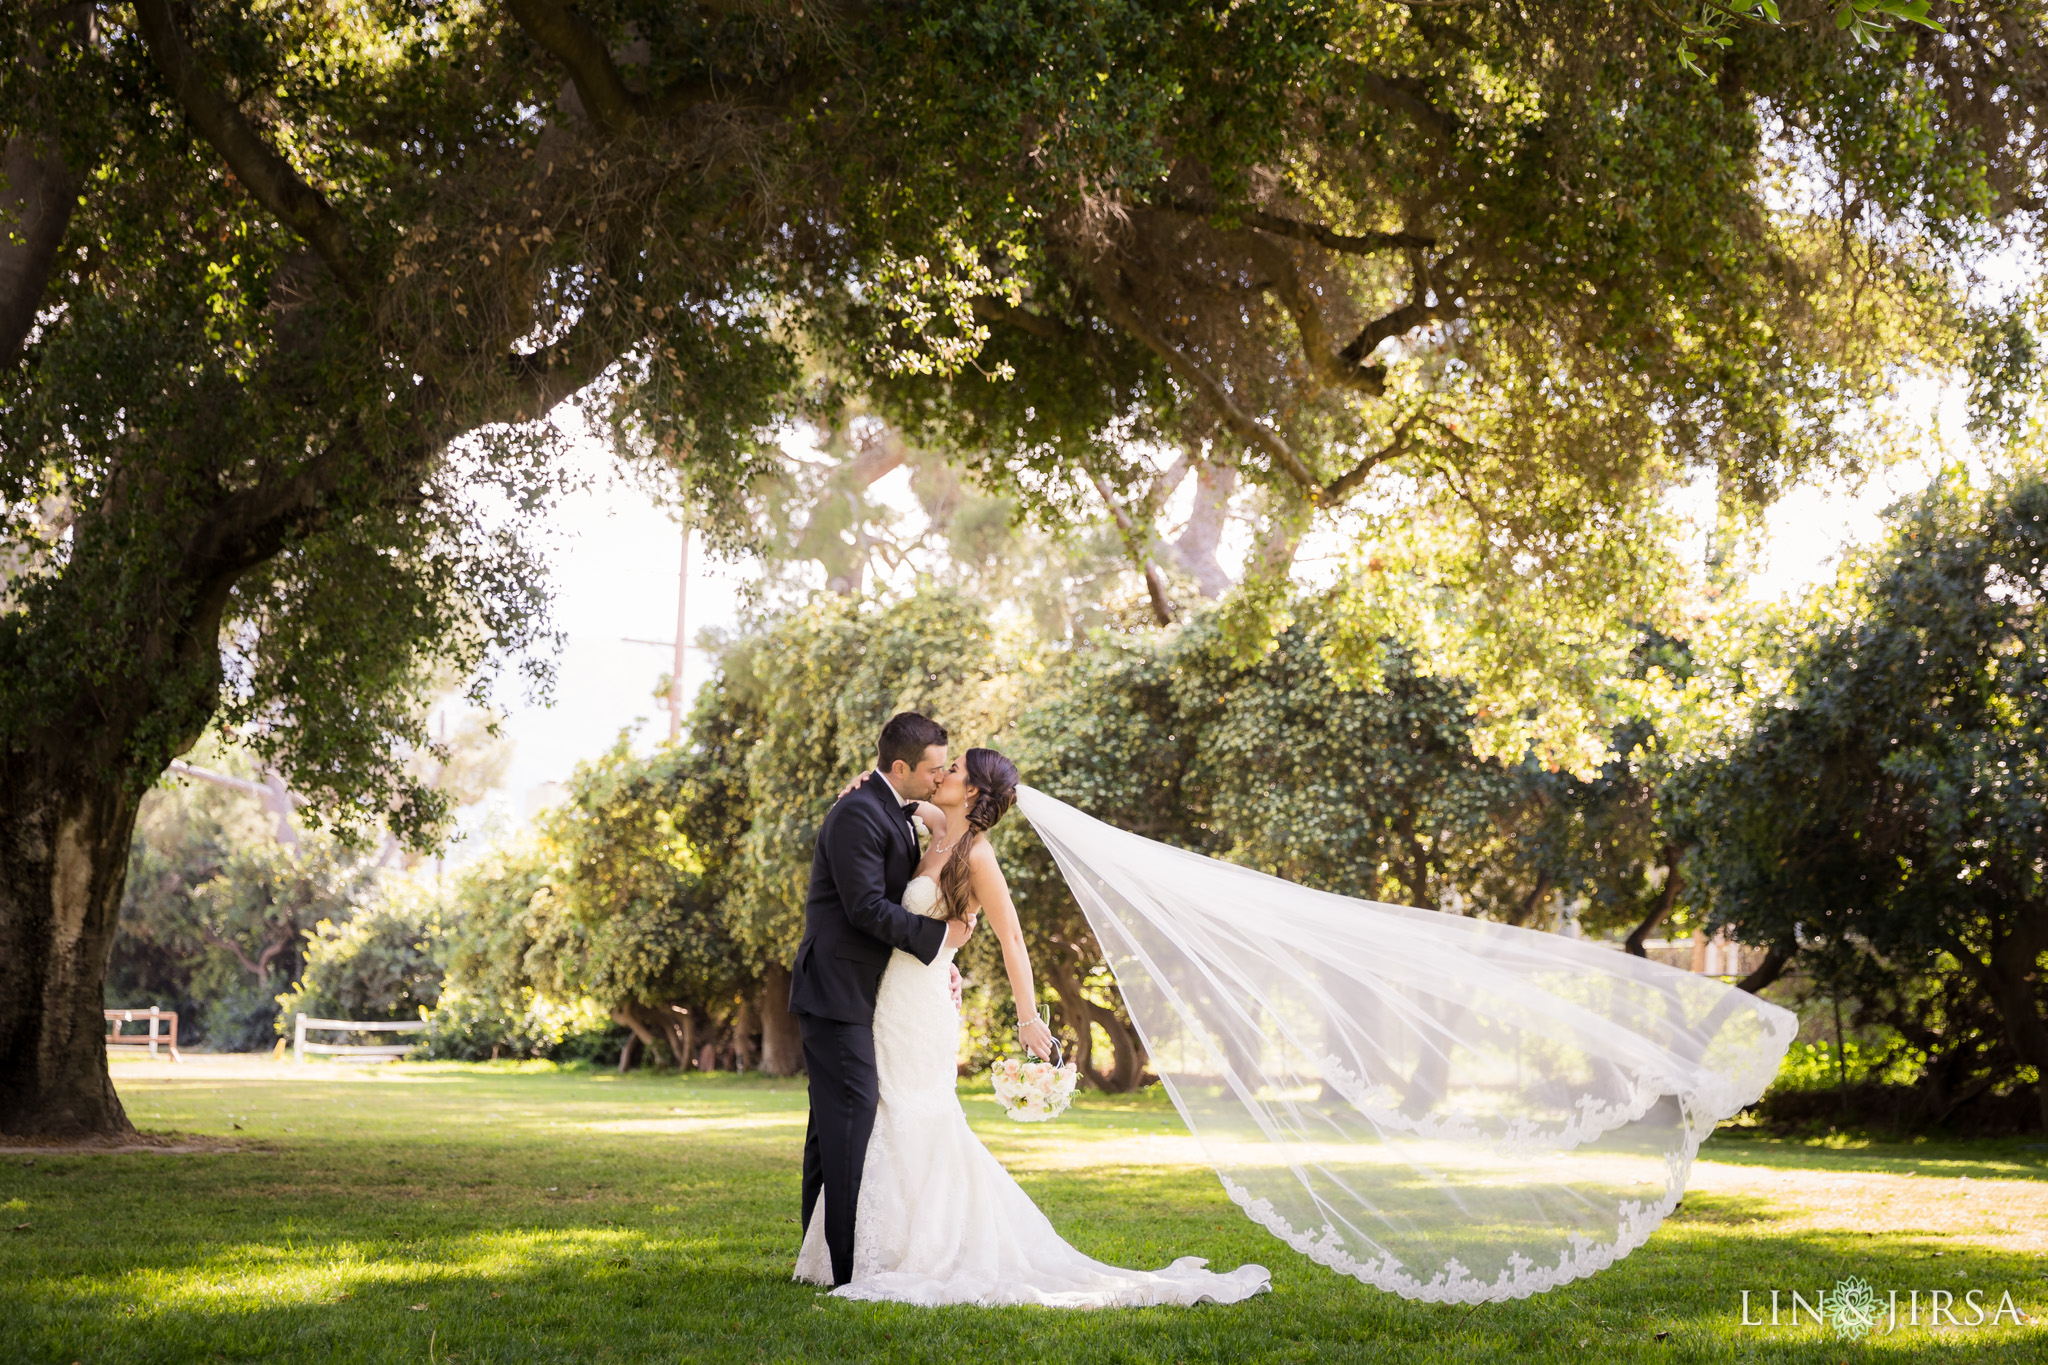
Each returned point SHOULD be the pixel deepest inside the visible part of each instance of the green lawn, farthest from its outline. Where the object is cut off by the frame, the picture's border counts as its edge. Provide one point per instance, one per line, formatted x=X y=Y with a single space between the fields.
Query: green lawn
x=488 y=1214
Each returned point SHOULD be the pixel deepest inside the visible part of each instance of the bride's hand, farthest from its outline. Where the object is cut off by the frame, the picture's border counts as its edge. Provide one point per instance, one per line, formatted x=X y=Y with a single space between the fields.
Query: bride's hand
x=857 y=781
x=1037 y=1039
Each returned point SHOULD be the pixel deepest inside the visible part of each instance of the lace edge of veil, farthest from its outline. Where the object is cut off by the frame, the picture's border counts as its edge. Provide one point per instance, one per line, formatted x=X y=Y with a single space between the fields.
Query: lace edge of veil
x=1583 y=1256
x=1453 y=1283
x=1594 y=1119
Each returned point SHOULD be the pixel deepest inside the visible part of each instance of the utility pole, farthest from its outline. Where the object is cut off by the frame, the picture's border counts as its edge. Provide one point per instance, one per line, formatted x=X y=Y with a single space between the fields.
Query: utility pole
x=442 y=738
x=675 y=678
x=678 y=645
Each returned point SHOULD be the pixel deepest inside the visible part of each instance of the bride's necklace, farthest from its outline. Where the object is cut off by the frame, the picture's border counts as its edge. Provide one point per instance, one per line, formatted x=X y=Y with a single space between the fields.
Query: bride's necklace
x=945 y=850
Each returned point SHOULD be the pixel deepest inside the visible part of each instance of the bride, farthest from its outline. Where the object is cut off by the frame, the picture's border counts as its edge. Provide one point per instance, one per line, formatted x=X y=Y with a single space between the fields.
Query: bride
x=939 y=1220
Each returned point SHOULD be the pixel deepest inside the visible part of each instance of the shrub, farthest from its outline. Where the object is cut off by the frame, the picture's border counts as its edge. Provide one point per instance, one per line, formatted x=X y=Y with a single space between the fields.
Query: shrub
x=382 y=965
x=473 y=1026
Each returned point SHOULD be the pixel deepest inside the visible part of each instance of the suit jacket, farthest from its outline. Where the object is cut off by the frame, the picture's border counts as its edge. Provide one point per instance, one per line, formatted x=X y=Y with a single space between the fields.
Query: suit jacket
x=865 y=855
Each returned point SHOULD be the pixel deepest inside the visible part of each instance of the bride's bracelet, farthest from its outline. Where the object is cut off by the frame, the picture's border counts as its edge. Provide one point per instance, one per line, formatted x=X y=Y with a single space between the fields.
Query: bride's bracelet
x=1023 y=1024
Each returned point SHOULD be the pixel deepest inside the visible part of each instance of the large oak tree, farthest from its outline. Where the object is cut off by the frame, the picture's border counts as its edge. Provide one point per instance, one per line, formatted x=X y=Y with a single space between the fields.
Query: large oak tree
x=293 y=286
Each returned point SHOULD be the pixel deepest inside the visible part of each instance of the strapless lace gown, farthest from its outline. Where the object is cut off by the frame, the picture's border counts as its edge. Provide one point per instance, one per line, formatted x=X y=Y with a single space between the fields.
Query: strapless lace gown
x=940 y=1220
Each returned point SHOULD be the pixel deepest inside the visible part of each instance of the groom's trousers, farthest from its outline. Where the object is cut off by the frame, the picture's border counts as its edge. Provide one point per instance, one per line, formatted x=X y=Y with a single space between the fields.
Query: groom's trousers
x=841 y=1061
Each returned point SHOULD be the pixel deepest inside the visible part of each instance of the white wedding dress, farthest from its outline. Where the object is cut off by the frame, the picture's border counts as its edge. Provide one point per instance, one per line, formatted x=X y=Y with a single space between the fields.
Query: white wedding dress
x=940 y=1221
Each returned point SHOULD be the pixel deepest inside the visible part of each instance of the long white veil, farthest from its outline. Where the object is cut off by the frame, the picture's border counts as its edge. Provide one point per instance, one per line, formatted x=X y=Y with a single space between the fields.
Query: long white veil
x=1447 y=1108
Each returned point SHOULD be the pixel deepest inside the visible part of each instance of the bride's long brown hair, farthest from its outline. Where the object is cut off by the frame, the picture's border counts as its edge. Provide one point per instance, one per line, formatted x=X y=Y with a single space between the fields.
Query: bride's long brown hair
x=994 y=779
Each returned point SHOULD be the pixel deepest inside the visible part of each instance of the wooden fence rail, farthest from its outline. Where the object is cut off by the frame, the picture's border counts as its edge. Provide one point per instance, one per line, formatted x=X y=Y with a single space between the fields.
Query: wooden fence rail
x=136 y=1042
x=358 y=1052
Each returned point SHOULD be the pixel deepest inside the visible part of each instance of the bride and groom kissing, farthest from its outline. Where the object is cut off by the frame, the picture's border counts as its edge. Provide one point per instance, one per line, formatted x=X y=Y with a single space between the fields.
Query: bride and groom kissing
x=900 y=1200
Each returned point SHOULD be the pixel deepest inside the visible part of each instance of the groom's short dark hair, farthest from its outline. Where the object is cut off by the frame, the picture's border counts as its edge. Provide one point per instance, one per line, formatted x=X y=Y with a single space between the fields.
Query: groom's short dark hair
x=907 y=736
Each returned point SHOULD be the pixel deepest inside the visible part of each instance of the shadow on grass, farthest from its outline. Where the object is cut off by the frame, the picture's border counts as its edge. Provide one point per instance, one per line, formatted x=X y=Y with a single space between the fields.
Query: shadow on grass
x=1978 y=1158
x=690 y=1260
x=604 y=1295
x=530 y=1228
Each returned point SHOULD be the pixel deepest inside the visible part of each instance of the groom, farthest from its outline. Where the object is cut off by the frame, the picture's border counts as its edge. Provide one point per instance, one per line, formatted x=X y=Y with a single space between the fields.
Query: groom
x=865 y=855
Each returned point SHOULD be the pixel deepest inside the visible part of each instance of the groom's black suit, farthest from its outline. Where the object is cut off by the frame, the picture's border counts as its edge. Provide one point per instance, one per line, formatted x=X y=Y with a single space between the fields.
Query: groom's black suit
x=864 y=858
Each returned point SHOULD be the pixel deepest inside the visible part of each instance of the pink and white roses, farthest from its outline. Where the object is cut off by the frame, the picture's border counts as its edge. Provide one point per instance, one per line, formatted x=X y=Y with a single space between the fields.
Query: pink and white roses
x=1032 y=1091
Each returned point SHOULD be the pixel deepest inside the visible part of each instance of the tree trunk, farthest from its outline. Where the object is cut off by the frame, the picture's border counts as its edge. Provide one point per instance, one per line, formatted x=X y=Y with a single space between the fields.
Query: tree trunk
x=1287 y=520
x=1128 y=1070
x=1079 y=1013
x=642 y=1035
x=2012 y=981
x=1076 y=1020
x=682 y=1036
x=64 y=839
x=782 y=1046
x=1532 y=900
x=1196 y=549
x=1663 y=907
x=1776 y=958
x=744 y=1027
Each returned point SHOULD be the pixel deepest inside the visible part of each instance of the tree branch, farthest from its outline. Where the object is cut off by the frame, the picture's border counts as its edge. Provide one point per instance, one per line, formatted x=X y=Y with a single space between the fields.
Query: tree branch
x=1353 y=244
x=1134 y=541
x=1400 y=321
x=687 y=94
x=1435 y=124
x=35 y=210
x=1023 y=319
x=1662 y=910
x=258 y=165
x=1776 y=958
x=555 y=371
x=1344 y=369
x=577 y=46
x=222 y=941
x=879 y=454
x=1337 y=489
x=271 y=948
x=36 y=205
x=1239 y=421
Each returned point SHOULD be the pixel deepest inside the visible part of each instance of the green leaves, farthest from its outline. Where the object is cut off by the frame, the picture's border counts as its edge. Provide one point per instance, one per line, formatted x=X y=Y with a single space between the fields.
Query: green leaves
x=1864 y=20
x=1888 y=809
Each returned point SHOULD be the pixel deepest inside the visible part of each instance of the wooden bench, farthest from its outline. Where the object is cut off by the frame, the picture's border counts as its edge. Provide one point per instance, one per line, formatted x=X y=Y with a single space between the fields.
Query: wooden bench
x=350 y=1052
x=118 y=1041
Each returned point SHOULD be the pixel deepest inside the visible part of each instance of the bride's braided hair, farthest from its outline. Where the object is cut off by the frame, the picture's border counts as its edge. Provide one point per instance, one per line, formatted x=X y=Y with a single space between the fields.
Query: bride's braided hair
x=994 y=779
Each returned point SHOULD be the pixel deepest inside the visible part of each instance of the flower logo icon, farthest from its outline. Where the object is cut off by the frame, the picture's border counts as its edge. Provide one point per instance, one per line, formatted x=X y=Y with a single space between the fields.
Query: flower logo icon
x=1853 y=1308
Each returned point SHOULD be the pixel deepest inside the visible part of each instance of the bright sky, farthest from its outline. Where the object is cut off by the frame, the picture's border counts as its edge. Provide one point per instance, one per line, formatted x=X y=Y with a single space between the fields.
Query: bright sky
x=615 y=567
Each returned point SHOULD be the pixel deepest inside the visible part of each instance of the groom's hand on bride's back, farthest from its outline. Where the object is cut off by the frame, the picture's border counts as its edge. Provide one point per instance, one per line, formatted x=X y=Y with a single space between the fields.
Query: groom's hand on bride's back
x=957 y=930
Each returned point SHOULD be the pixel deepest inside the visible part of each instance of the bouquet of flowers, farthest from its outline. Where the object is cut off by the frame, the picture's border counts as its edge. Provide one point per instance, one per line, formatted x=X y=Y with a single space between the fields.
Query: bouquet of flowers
x=1032 y=1091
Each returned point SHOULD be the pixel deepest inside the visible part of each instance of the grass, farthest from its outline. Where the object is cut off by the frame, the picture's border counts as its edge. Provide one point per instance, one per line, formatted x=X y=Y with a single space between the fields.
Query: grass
x=472 y=1214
